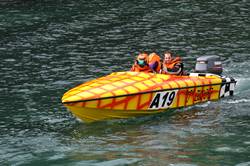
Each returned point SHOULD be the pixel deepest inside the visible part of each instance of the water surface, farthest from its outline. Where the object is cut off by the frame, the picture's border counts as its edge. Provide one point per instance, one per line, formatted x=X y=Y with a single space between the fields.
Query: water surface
x=48 y=47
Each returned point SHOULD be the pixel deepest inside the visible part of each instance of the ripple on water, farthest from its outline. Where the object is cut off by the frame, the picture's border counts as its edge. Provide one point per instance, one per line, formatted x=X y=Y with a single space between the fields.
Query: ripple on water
x=123 y=161
x=229 y=149
x=243 y=164
x=182 y=164
x=48 y=48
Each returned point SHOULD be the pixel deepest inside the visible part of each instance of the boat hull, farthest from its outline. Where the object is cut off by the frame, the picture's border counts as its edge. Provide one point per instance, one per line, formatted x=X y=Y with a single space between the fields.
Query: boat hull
x=130 y=100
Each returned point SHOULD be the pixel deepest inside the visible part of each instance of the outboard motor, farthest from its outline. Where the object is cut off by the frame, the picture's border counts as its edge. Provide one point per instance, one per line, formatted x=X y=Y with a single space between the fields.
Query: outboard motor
x=209 y=64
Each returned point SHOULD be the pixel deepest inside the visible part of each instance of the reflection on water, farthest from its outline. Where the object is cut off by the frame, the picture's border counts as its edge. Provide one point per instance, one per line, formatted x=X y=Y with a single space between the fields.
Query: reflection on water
x=193 y=136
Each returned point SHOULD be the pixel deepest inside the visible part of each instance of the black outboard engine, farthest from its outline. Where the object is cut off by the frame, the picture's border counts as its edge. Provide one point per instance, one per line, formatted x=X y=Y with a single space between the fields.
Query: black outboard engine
x=209 y=64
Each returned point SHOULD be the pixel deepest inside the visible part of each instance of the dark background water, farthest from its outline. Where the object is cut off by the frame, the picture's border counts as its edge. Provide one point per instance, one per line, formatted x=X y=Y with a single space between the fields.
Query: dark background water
x=48 y=47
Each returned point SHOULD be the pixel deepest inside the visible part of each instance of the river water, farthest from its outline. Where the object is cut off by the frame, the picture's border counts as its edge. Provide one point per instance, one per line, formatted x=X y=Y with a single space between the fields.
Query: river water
x=48 y=47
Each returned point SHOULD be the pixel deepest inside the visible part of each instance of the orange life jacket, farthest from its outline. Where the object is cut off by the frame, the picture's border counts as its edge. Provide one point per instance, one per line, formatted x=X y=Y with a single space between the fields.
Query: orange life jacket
x=153 y=58
x=137 y=68
x=171 y=65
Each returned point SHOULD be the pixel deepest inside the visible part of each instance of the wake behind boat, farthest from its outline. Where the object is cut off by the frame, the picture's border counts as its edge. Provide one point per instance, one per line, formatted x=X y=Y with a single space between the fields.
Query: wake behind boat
x=129 y=94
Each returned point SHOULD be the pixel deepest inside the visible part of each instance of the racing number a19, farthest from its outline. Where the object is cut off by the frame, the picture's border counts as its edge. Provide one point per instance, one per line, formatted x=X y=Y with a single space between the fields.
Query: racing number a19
x=163 y=99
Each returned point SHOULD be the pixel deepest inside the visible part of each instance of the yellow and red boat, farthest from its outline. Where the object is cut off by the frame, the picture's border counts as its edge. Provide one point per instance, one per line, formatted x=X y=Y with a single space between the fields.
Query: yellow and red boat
x=129 y=94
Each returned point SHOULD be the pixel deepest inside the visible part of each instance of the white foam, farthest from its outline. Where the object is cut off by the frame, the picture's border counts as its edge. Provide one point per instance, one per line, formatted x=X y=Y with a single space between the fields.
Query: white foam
x=244 y=164
x=239 y=101
x=228 y=149
x=124 y=161
x=182 y=164
x=247 y=142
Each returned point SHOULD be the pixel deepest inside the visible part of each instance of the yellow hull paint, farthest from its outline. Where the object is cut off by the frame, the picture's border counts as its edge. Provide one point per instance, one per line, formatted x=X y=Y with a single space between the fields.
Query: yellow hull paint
x=91 y=114
x=129 y=94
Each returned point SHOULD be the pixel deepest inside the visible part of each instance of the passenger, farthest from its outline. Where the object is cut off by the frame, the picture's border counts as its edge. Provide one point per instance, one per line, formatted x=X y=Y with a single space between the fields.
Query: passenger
x=171 y=65
x=141 y=64
x=154 y=62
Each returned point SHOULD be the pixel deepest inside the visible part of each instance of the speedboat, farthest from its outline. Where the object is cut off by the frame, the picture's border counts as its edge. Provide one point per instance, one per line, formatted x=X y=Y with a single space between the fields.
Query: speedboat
x=130 y=94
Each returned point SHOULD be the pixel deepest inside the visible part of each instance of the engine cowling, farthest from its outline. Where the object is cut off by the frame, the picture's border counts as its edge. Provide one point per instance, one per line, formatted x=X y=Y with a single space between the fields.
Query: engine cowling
x=209 y=64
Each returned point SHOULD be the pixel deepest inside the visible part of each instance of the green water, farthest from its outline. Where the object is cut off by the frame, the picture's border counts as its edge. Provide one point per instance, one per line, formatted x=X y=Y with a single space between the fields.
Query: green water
x=48 y=47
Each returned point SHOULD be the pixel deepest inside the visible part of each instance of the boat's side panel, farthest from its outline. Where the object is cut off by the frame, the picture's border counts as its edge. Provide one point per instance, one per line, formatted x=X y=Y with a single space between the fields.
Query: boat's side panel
x=92 y=114
x=156 y=100
x=184 y=97
x=134 y=102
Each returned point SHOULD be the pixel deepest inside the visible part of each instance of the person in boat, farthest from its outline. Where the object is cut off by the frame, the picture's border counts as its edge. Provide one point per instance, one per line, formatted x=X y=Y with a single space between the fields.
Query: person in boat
x=154 y=62
x=171 y=65
x=141 y=63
